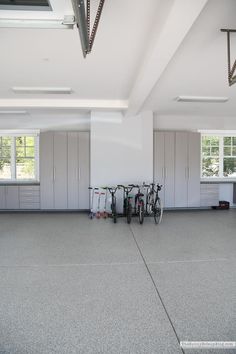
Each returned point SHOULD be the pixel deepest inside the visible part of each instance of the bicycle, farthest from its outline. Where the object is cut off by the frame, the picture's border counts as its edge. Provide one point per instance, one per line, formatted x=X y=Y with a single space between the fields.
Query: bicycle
x=127 y=205
x=139 y=203
x=153 y=203
x=112 y=191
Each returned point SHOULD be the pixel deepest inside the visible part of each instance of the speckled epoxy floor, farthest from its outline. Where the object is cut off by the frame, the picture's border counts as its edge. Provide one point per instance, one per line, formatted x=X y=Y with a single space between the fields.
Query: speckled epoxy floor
x=72 y=285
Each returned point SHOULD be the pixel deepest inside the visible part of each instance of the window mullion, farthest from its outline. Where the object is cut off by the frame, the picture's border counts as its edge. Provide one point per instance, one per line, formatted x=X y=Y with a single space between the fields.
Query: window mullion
x=221 y=158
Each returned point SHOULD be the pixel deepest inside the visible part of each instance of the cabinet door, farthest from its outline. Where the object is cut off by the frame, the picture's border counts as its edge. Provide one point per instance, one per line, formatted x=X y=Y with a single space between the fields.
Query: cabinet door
x=12 y=197
x=181 y=170
x=46 y=171
x=159 y=161
x=84 y=169
x=169 y=170
x=60 y=170
x=194 y=170
x=73 y=171
x=2 y=197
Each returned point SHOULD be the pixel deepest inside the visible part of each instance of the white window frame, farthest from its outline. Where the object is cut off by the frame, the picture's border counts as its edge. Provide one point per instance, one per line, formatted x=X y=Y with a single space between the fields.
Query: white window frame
x=13 y=135
x=221 y=156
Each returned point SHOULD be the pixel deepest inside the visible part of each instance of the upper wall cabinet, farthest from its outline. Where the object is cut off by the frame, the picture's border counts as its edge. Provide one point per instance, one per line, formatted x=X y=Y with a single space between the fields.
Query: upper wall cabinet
x=64 y=170
x=177 y=167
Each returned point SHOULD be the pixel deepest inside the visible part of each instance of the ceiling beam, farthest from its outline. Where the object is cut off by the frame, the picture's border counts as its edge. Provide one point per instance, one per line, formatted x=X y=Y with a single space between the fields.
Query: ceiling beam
x=175 y=20
x=66 y=103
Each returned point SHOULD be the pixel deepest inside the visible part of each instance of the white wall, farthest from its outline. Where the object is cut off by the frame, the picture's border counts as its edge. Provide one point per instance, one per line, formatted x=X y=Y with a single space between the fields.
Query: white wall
x=193 y=123
x=121 y=148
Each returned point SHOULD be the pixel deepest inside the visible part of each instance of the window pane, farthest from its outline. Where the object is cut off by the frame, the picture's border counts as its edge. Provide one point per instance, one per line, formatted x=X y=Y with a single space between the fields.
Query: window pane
x=206 y=151
x=234 y=141
x=29 y=151
x=234 y=151
x=20 y=141
x=227 y=140
x=5 y=169
x=214 y=140
x=227 y=151
x=20 y=152
x=205 y=141
x=215 y=151
x=6 y=141
x=230 y=167
x=25 y=168
x=6 y=152
x=210 y=167
x=29 y=141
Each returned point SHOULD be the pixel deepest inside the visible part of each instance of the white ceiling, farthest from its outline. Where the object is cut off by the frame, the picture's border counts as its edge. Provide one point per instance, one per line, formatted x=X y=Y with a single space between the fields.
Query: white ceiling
x=199 y=67
x=128 y=31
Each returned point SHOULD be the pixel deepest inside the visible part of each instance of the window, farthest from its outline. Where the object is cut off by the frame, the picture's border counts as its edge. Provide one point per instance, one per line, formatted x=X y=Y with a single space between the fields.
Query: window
x=19 y=158
x=218 y=156
x=28 y=5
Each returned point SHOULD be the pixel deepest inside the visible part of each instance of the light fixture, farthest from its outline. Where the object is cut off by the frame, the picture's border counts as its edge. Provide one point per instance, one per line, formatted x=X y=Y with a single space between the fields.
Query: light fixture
x=42 y=90
x=66 y=23
x=82 y=17
x=231 y=69
x=13 y=112
x=203 y=99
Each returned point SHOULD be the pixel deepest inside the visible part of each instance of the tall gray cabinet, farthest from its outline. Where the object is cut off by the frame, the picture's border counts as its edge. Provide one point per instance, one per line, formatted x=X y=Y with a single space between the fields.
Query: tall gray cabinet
x=187 y=169
x=164 y=165
x=177 y=167
x=64 y=170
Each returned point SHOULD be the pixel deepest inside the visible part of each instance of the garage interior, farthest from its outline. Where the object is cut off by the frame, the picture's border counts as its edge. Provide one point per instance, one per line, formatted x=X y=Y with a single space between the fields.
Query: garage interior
x=147 y=95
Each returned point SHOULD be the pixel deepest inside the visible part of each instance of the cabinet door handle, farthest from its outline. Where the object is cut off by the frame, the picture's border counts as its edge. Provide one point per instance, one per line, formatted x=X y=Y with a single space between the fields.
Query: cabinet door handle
x=165 y=172
x=54 y=173
x=79 y=173
x=188 y=173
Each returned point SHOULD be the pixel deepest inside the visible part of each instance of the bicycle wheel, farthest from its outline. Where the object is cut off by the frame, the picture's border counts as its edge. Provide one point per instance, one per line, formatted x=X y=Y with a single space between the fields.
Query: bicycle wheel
x=158 y=211
x=141 y=212
x=129 y=213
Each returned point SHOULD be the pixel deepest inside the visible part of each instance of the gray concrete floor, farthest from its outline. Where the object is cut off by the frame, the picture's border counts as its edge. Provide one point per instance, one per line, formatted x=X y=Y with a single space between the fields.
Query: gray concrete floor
x=72 y=285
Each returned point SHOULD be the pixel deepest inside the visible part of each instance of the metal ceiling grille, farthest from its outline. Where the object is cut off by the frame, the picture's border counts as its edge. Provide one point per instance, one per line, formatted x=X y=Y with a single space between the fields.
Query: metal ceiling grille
x=25 y=5
x=82 y=11
x=231 y=68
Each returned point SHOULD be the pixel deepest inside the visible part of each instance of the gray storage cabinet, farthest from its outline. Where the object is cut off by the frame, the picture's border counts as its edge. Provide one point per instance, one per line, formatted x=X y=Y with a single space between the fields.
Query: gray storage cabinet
x=2 y=197
x=164 y=165
x=46 y=171
x=67 y=175
x=187 y=170
x=78 y=170
x=177 y=167
x=12 y=197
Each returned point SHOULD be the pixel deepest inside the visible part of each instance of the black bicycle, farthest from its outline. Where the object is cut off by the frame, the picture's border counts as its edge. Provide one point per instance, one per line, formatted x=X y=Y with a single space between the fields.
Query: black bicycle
x=153 y=202
x=112 y=191
x=127 y=204
x=139 y=203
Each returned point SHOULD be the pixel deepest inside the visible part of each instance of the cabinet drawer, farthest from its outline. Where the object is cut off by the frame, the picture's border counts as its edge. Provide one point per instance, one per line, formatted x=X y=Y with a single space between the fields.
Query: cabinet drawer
x=29 y=188
x=29 y=198
x=29 y=193
x=29 y=206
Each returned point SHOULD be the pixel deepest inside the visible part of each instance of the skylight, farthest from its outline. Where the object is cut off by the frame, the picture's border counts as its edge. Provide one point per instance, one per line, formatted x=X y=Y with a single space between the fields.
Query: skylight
x=25 y=5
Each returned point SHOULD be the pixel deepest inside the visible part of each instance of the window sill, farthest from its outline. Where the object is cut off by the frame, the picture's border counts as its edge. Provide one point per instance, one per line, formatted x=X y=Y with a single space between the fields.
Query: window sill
x=19 y=183
x=218 y=180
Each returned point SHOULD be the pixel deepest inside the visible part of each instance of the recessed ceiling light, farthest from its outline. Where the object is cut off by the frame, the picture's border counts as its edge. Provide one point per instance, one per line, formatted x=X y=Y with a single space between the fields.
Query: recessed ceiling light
x=45 y=90
x=203 y=99
x=13 y=112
